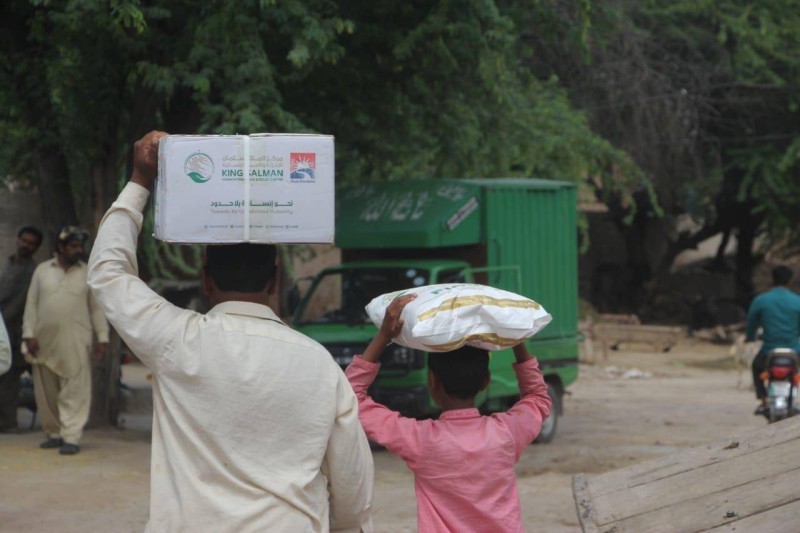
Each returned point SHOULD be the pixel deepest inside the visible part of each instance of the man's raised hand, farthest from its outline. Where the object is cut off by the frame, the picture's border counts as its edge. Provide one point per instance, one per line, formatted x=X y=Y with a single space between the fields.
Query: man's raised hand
x=145 y=159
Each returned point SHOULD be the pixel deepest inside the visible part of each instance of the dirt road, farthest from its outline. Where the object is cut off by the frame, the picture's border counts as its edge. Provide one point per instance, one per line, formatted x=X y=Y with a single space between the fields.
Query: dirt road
x=632 y=407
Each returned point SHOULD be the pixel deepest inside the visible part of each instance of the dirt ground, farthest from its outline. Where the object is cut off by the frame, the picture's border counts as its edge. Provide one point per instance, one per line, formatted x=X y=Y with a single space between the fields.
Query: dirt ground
x=634 y=406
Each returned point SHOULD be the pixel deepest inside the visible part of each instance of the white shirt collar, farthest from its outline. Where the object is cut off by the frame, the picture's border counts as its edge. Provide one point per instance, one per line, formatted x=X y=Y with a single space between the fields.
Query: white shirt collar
x=246 y=309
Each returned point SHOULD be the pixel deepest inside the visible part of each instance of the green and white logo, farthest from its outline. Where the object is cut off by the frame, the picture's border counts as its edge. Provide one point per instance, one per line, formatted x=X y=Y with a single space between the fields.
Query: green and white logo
x=199 y=167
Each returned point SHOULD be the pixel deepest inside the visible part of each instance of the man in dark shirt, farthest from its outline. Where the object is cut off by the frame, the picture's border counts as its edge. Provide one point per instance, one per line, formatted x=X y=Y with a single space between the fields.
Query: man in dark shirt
x=777 y=313
x=14 y=282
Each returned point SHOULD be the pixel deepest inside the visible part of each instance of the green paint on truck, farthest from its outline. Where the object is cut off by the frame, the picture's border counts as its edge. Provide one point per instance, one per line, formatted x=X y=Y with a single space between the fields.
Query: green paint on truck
x=514 y=234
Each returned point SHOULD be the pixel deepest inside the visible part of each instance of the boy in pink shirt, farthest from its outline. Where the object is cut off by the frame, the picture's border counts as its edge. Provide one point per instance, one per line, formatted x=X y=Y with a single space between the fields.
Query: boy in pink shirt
x=463 y=463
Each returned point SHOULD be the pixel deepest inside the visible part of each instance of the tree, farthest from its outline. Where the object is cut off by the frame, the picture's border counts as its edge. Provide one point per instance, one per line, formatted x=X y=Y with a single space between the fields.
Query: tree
x=409 y=90
x=81 y=80
x=703 y=97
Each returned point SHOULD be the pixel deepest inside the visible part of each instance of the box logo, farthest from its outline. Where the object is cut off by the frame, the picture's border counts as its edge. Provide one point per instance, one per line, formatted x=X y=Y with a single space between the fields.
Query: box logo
x=199 y=167
x=302 y=165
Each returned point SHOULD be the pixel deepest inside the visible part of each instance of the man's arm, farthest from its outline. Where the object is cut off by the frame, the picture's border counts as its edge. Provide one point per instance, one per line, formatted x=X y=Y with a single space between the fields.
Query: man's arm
x=30 y=317
x=753 y=321
x=12 y=300
x=5 y=348
x=100 y=326
x=99 y=322
x=524 y=419
x=140 y=316
x=6 y=290
x=14 y=306
x=349 y=468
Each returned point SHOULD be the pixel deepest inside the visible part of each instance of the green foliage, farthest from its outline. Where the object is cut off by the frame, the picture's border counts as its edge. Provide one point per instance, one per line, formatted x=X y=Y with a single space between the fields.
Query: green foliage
x=85 y=78
x=760 y=40
x=128 y=15
x=409 y=89
x=443 y=93
x=701 y=95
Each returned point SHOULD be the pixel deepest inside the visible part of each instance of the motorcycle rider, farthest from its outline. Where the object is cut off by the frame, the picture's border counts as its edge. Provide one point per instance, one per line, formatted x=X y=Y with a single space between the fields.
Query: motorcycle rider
x=777 y=313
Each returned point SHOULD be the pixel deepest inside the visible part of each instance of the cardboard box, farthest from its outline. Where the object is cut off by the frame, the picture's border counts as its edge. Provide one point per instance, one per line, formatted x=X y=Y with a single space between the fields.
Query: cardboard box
x=264 y=188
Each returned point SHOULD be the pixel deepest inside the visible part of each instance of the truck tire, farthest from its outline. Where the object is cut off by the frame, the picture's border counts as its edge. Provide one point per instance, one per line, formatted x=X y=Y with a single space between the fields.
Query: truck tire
x=550 y=423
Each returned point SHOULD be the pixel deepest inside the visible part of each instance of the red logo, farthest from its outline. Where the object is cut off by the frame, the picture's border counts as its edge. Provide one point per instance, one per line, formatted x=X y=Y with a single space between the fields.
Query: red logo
x=302 y=165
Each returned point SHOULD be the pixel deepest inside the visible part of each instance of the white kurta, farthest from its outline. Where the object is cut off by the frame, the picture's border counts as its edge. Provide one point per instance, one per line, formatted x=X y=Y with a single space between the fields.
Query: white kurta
x=5 y=348
x=255 y=426
x=60 y=313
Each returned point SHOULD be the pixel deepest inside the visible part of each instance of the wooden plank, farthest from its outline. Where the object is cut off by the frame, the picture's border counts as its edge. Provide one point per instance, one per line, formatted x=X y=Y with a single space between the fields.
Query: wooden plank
x=615 y=318
x=706 y=479
x=676 y=463
x=630 y=331
x=662 y=338
x=712 y=510
x=583 y=504
x=781 y=519
x=723 y=483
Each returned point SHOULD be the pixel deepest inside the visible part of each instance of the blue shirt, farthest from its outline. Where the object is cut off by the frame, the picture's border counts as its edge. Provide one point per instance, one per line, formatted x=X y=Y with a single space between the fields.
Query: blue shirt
x=777 y=311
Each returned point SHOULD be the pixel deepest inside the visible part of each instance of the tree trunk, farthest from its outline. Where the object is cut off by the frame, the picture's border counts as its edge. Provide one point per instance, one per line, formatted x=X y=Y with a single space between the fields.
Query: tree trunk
x=106 y=374
x=98 y=200
x=58 y=206
x=745 y=260
x=106 y=397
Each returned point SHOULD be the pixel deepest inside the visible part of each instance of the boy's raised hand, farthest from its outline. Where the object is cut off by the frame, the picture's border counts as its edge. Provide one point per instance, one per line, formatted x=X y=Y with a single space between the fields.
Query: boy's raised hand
x=521 y=353
x=392 y=321
x=390 y=328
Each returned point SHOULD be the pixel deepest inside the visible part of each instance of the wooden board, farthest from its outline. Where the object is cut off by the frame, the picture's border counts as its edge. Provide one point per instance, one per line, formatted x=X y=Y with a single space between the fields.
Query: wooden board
x=661 y=338
x=738 y=483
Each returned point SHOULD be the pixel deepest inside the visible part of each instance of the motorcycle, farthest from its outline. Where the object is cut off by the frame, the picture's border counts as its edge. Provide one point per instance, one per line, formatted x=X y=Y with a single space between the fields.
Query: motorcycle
x=781 y=379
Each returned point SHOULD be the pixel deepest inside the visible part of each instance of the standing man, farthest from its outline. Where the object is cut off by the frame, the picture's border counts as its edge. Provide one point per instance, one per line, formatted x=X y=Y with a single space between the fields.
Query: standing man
x=255 y=427
x=14 y=282
x=777 y=313
x=60 y=314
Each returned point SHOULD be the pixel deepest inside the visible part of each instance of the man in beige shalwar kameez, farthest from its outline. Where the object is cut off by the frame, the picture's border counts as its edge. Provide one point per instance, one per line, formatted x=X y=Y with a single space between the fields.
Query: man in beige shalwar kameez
x=60 y=313
x=255 y=427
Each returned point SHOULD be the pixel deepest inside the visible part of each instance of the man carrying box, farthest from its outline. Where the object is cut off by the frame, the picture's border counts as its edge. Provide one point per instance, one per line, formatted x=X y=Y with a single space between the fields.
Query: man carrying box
x=255 y=427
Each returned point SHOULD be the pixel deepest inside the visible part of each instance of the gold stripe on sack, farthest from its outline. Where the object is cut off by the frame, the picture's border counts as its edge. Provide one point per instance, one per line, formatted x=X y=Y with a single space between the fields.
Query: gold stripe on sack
x=492 y=338
x=477 y=299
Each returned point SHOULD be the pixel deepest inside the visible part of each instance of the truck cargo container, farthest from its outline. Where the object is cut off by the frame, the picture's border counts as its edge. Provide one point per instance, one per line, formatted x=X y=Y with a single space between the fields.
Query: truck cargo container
x=514 y=234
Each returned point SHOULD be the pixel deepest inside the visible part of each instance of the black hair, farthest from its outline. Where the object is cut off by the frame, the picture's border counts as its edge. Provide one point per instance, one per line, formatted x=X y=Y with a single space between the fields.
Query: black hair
x=462 y=372
x=32 y=230
x=241 y=267
x=781 y=275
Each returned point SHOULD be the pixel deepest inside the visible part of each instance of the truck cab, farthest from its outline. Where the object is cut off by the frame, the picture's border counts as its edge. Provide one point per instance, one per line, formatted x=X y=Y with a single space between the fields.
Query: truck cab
x=518 y=235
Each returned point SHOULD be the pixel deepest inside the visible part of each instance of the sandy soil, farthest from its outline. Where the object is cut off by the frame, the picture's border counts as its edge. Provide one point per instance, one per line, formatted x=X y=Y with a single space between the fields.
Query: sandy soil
x=666 y=402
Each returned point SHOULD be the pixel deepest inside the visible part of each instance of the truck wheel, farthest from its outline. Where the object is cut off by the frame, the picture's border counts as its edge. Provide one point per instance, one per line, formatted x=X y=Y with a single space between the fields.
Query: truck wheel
x=550 y=423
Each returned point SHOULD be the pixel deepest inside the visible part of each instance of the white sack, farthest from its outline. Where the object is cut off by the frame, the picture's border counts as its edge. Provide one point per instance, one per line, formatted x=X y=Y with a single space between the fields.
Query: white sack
x=445 y=317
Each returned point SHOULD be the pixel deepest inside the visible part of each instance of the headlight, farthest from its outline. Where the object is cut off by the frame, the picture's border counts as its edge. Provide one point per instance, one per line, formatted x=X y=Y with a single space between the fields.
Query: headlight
x=397 y=356
x=402 y=355
x=343 y=354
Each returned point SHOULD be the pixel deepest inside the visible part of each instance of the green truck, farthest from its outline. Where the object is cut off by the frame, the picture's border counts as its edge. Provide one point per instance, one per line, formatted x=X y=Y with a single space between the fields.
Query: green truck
x=515 y=234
